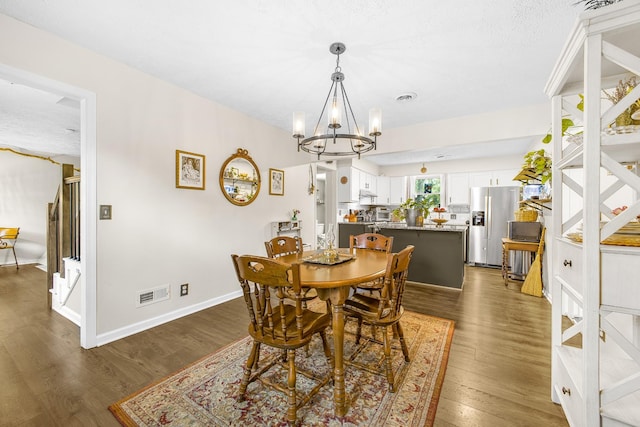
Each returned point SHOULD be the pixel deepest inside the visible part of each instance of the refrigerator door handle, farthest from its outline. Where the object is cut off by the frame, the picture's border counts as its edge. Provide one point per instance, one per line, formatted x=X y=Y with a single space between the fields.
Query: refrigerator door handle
x=489 y=219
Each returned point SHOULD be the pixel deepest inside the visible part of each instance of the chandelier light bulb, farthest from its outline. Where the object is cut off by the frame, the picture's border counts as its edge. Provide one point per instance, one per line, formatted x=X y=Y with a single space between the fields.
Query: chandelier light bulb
x=335 y=118
x=375 y=122
x=423 y=169
x=298 y=125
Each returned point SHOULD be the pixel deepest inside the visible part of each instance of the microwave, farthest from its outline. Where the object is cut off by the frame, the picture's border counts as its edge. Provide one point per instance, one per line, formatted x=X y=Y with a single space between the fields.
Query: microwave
x=524 y=231
x=381 y=214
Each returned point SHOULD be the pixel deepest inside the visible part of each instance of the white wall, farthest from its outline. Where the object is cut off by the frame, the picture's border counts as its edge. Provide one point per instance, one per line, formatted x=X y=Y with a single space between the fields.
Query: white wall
x=503 y=125
x=453 y=166
x=491 y=126
x=28 y=184
x=161 y=235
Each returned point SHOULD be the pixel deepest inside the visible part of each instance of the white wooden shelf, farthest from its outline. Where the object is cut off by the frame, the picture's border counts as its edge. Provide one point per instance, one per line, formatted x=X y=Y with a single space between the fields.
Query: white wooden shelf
x=598 y=384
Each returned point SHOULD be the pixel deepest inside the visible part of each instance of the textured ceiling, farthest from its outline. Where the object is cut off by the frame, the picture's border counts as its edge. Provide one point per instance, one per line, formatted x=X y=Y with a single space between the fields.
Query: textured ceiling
x=38 y=121
x=268 y=58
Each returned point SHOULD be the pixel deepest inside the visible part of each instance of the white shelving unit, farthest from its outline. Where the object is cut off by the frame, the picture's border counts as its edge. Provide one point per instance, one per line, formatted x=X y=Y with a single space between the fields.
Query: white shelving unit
x=286 y=228
x=596 y=378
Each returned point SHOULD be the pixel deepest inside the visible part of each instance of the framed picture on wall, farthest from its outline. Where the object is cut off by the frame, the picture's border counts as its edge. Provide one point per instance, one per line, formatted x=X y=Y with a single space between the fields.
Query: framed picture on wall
x=190 y=171
x=276 y=182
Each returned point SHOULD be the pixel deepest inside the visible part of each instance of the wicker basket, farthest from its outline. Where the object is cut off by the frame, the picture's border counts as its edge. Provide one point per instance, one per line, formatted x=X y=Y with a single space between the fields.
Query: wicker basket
x=526 y=215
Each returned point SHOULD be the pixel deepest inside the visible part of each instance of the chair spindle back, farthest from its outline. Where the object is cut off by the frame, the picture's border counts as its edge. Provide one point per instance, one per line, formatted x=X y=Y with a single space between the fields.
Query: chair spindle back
x=265 y=284
x=373 y=241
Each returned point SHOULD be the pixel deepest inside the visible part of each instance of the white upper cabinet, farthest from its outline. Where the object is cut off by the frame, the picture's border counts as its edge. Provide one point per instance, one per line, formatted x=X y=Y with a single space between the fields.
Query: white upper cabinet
x=348 y=184
x=397 y=190
x=457 y=188
x=368 y=182
x=382 y=190
x=500 y=178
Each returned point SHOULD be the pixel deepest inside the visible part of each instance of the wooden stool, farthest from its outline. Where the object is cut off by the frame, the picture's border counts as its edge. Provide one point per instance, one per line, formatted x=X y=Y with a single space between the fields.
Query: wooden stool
x=514 y=245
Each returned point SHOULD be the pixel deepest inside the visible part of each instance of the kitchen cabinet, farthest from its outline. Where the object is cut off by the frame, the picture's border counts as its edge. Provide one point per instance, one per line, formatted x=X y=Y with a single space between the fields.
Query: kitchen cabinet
x=438 y=258
x=457 y=188
x=368 y=183
x=596 y=382
x=348 y=184
x=499 y=178
x=353 y=184
x=397 y=190
x=382 y=190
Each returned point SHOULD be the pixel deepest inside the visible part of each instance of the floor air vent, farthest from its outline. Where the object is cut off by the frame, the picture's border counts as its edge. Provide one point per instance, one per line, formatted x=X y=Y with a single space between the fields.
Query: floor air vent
x=153 y=295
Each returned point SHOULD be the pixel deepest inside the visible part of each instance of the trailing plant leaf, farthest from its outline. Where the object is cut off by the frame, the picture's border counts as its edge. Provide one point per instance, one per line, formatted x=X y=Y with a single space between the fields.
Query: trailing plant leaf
x=566 y=124
x=580 y=105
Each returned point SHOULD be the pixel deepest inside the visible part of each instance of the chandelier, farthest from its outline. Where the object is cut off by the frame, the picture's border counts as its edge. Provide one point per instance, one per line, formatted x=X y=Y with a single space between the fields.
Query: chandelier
x=328 y=141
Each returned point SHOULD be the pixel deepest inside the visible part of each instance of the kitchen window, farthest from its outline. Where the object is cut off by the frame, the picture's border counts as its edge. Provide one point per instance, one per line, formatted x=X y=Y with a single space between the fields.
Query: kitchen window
x=427 y=186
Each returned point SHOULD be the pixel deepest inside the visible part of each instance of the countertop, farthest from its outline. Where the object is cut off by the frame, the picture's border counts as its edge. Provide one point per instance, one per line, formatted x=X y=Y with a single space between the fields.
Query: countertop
x=430 y=227
x=403 y=226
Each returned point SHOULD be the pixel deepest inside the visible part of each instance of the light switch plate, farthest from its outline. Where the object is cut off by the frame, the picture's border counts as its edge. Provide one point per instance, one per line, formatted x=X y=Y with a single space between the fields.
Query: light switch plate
x=105 y=211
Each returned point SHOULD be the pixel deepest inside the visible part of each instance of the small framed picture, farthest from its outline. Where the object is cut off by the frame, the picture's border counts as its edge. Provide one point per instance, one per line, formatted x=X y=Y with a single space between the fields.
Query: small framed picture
x=189 y=170
x=276 y=182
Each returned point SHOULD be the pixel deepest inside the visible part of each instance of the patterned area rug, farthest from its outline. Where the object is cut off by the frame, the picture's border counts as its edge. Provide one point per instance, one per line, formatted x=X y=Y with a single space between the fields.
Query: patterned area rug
x=204 y=393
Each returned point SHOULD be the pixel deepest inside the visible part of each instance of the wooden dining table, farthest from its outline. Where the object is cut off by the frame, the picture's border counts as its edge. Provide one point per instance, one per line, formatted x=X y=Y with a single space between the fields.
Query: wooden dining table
x=333 y=283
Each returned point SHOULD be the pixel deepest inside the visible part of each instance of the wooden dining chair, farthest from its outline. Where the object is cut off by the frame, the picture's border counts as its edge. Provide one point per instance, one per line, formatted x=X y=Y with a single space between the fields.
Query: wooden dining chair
x=382 y=313
x=374 y=242
x=276 y=322
x=283 y=245
x=8 y=238
x=286 y=245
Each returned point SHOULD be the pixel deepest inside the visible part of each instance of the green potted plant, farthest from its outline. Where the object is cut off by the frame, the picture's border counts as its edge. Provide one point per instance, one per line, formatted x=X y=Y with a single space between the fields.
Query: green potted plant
x=539 y=163
x=415 y=210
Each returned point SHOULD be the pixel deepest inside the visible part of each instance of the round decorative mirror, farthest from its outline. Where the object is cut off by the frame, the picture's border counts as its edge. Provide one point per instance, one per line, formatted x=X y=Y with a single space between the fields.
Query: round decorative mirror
x=240 y=178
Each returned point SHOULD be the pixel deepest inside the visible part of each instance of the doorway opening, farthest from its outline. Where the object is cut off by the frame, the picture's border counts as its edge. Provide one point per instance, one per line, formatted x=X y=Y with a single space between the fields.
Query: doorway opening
x=88 y=205
x=325 y=201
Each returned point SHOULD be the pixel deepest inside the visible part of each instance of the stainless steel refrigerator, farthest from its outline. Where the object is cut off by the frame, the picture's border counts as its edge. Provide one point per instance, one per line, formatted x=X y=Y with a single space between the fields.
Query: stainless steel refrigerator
x=491 y=209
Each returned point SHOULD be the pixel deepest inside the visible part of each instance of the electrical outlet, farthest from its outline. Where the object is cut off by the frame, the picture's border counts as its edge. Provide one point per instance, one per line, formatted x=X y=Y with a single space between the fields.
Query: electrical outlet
x=184 y=289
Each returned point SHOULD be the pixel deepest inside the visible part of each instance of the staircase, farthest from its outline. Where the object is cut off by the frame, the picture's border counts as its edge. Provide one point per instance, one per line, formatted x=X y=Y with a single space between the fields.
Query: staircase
x=63 y=247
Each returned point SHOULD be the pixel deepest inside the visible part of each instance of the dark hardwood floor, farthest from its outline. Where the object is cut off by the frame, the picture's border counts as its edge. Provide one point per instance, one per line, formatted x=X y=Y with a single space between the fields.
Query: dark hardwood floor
x=498 y=372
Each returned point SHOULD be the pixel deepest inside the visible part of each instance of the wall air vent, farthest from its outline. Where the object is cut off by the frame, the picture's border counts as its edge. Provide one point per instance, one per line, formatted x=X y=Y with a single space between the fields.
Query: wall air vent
x=151 y=296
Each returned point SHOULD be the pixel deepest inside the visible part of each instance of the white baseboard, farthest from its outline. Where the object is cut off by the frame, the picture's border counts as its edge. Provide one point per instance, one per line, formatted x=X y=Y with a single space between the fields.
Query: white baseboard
x=21 y=262
x=132 y=329
x=68 y=314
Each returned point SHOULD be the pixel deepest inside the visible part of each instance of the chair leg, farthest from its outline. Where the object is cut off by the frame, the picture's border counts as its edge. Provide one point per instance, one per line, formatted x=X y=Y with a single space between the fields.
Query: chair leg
x=15 y=257
x=256 y=361
x=251 y=363
x=397 y=330
x=291 y=383
x=387 y=359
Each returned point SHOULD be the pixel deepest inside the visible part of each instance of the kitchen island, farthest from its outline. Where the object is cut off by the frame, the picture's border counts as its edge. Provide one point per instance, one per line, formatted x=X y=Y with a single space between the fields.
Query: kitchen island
x=438 y=258
x=346 y=229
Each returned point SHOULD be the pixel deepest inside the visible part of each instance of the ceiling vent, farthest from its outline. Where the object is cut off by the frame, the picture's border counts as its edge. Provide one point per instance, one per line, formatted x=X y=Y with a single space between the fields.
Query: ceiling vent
x=151 y=296
x=406 y=97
